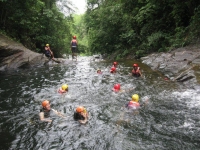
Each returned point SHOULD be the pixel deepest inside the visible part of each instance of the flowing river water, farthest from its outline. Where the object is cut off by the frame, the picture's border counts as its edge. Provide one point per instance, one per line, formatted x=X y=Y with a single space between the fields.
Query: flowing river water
x=169 y=120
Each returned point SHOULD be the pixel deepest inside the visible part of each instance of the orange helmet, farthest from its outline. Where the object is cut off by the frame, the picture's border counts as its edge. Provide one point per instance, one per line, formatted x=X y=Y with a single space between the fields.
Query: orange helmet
x=79 y=109
x=115 y=63
x=44 y=103
x=74 y=37
x=135 y=65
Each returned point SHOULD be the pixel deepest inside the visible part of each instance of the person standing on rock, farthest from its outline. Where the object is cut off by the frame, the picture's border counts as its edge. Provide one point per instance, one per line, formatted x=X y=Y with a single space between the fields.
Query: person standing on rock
x=74 y=46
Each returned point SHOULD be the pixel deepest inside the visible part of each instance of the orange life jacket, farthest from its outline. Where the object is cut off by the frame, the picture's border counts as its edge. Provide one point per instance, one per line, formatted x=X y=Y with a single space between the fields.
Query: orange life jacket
x=133 y=105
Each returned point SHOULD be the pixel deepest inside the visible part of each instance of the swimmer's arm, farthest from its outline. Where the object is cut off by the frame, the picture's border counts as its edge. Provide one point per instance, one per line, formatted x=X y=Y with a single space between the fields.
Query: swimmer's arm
x=86 y=116
x=44 y=119
x=58 y=113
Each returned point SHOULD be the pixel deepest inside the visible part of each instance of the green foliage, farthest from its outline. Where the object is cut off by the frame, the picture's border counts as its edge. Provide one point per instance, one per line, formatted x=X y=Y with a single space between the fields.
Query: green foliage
x=121 y=26
x=35 y=23
x=141 y=27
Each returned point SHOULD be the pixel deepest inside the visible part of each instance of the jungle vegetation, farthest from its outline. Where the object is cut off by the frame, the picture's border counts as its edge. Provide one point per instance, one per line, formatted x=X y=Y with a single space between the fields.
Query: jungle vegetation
x=123 y=27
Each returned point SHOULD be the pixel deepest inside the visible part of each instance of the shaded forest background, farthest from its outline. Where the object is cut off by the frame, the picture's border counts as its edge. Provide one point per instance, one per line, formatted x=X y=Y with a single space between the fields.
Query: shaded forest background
x=122 y=27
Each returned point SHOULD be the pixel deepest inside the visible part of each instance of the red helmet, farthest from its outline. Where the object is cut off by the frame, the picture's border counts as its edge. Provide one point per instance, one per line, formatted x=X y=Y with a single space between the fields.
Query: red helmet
x=115 y=63
x=116 y=87
x=74 y=37
x=135 y=65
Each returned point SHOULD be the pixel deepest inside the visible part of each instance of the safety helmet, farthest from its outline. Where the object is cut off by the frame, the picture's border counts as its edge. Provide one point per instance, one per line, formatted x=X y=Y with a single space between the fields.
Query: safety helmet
x=64 y=87
x=44 y=103
x=135 y=65
x=135 y=97
x=74 y=37
x=115 y=63
x=117 y=87
x=79 y=109
x=47 y=45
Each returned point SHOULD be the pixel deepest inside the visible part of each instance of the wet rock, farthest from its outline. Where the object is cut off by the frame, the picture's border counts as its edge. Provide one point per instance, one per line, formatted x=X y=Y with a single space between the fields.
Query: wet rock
x=14 y=55
x=178 y=64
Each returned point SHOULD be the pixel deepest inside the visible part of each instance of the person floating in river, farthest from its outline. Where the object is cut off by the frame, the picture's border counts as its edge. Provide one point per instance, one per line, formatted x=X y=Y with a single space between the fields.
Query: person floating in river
x=113 y=70
x=99 y=71
x=81 y=115
x=46 y=110
x=63 y=89
x=117 y=88
x=133 y=104
x=136 y=71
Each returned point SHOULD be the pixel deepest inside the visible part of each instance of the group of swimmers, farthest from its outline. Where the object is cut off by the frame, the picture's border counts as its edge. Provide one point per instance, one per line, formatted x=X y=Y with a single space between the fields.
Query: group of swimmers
x=136 y=72
x=81 y=115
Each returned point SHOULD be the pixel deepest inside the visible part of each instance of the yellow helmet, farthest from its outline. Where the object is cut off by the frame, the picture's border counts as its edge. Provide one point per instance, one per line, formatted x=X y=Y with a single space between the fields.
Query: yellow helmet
x=64 y=87
x=135 y=97
x=47 y=45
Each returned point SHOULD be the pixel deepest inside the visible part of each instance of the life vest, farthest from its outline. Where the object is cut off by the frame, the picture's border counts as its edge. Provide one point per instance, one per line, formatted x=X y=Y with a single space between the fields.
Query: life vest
x=47 y=52
x=61 y=91
x=74 y=43
x=133 y=105
x=136 y=72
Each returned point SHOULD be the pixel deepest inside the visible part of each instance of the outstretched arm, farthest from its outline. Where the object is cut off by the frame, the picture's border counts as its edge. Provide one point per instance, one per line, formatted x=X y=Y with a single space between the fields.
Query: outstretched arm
x=86 y=116
x=58 y=113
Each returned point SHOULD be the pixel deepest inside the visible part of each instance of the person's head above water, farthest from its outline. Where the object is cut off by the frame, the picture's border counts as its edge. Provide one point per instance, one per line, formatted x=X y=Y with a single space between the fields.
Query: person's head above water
x=116 y=87
x=113 y=70
x=135 y=97
x=46 y=105
x=99 y=71
x=65 y=87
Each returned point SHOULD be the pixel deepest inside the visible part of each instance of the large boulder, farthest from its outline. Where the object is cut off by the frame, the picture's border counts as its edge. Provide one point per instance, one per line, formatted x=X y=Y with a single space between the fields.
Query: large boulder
x=178 y=64
x=14 y=55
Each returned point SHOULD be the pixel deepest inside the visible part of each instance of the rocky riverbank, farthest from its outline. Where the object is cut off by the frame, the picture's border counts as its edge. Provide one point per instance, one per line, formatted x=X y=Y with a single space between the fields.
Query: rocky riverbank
x=182 y=64
x=14 y=55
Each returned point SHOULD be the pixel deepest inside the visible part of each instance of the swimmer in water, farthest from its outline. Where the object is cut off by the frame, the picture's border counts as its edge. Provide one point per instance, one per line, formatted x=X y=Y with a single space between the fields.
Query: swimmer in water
x=133 y=104
x=117 y=88
x=113 y=70
x=63 y=89
x=81 y=115
x=136 y=71
x=99 y=71
x=46 y=110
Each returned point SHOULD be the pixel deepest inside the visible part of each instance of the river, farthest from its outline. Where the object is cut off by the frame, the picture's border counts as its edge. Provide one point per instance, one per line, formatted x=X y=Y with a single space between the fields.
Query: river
x=169 y=120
